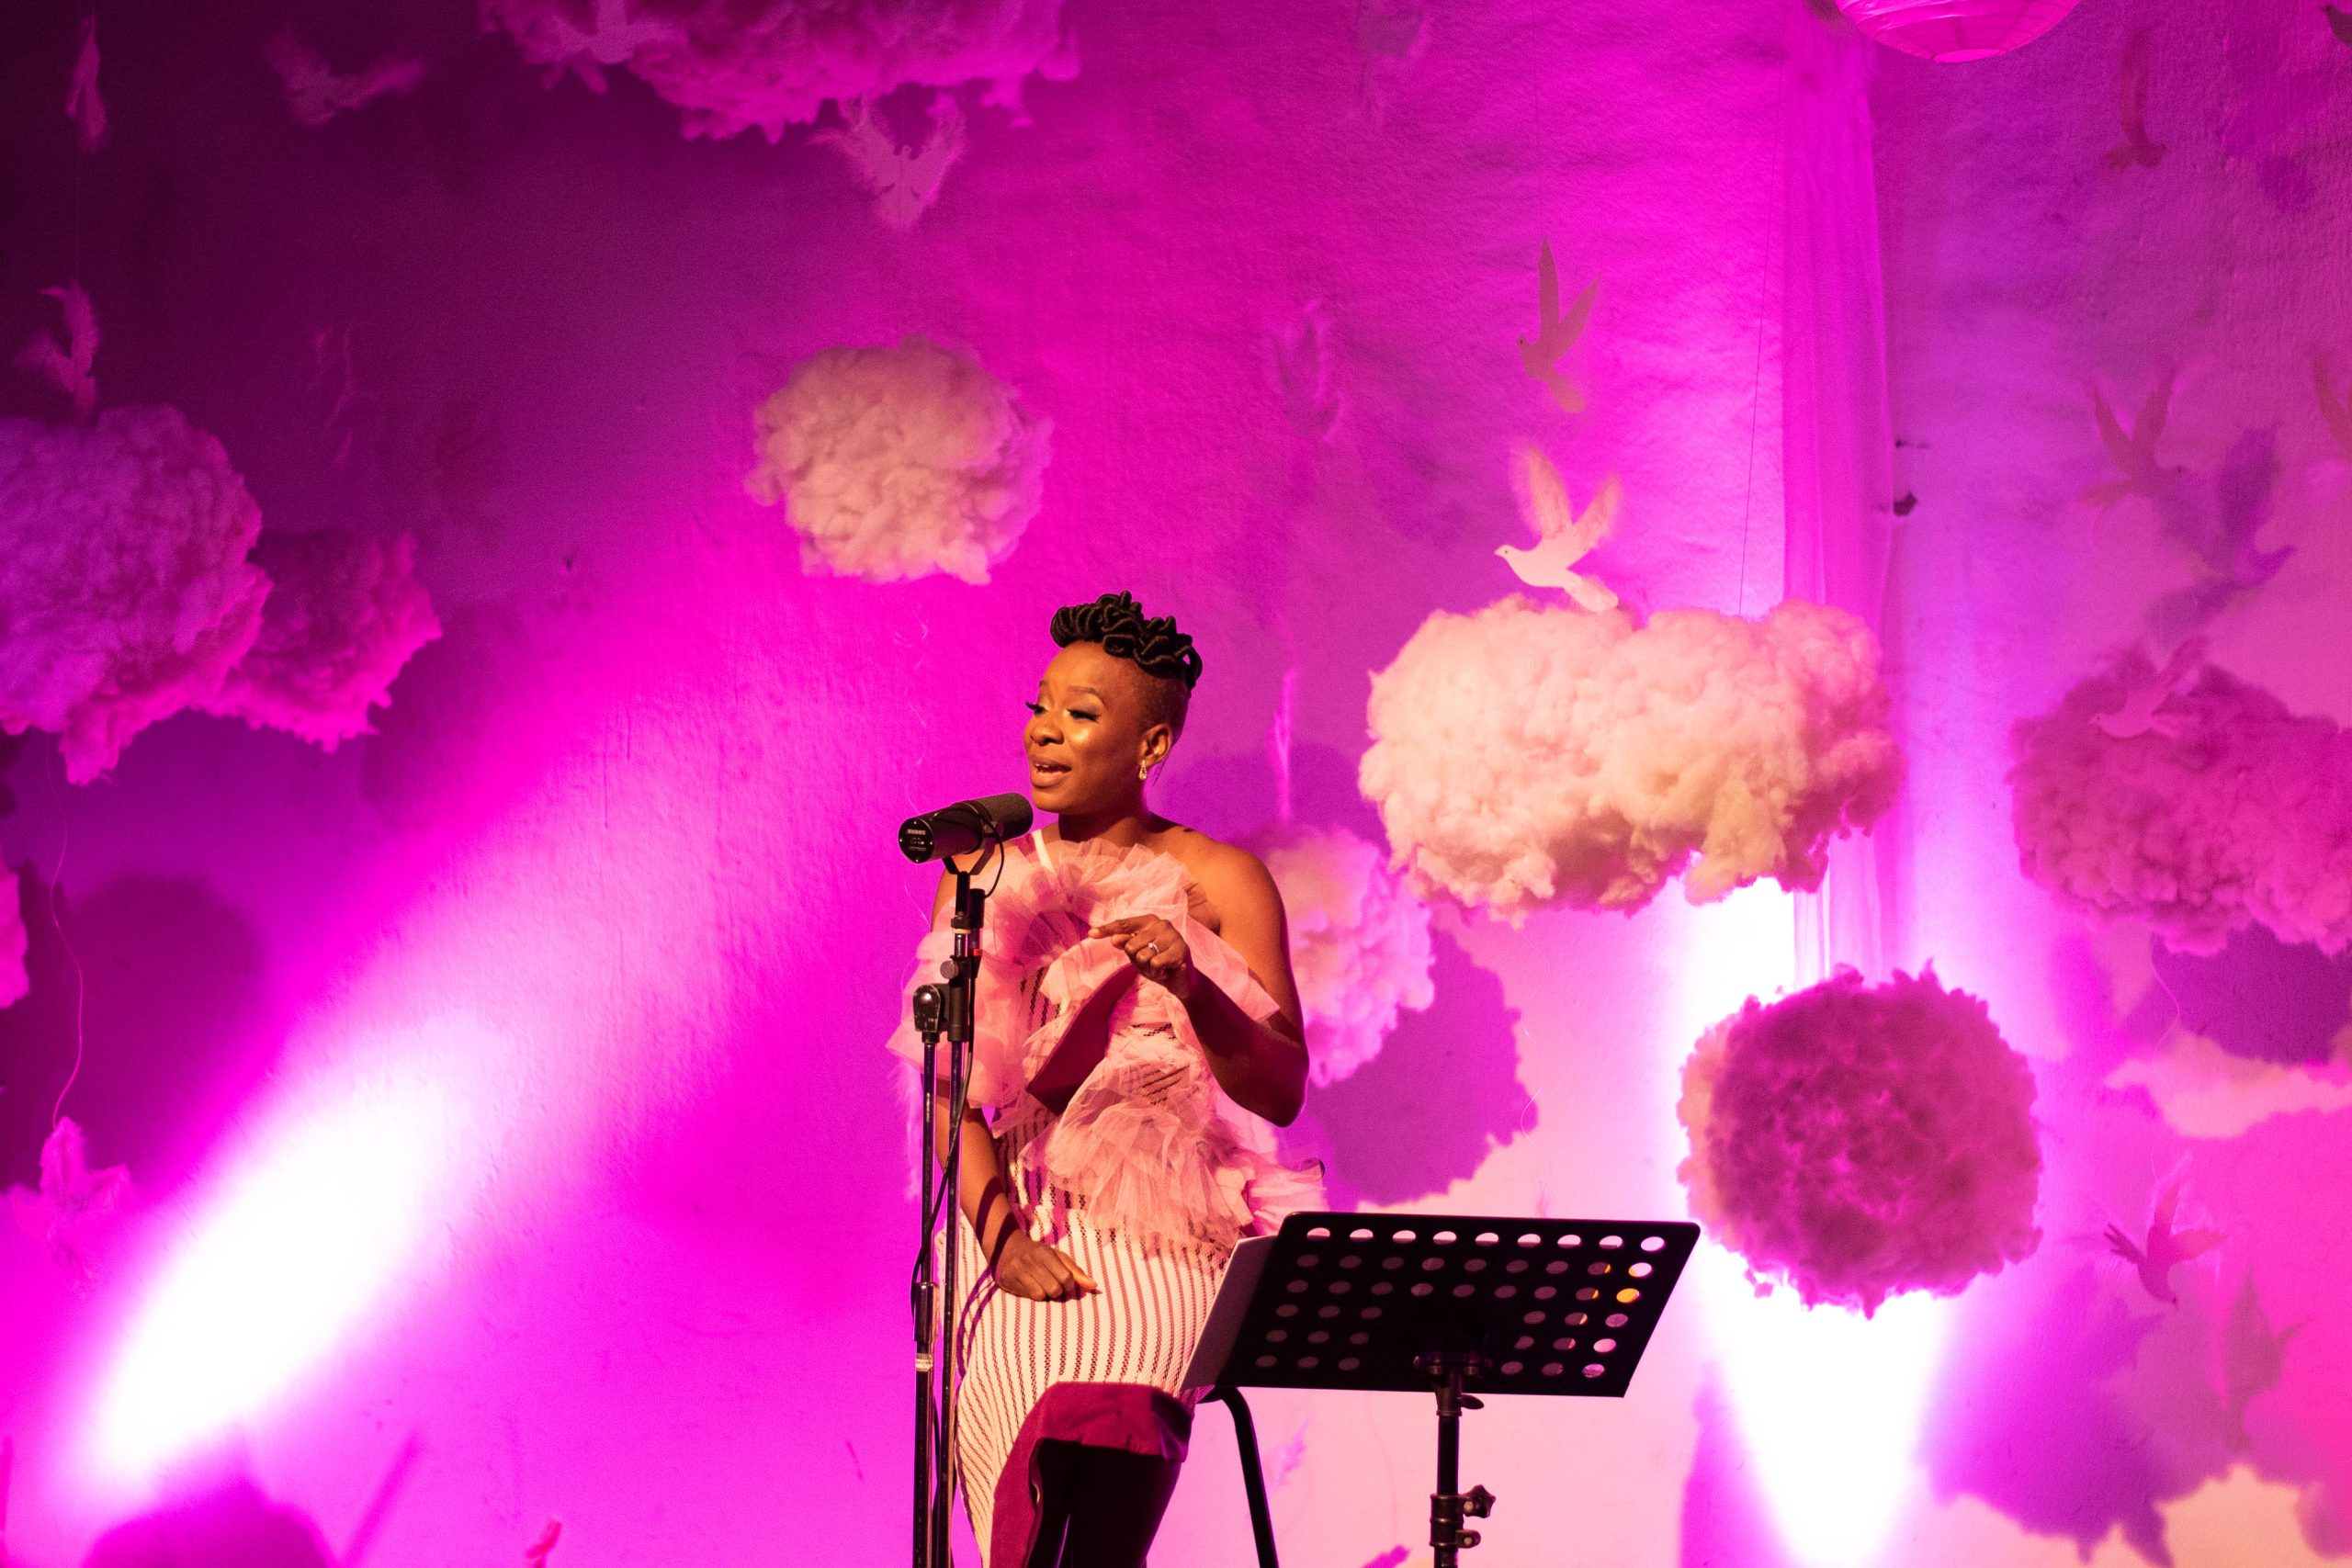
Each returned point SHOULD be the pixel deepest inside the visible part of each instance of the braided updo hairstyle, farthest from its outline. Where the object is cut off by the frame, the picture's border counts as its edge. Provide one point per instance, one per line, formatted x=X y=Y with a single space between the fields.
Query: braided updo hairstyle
x=1150 y=643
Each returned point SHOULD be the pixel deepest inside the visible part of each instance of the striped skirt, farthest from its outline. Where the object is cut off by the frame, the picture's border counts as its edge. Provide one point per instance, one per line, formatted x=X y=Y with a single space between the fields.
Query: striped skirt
x=1115 y=1360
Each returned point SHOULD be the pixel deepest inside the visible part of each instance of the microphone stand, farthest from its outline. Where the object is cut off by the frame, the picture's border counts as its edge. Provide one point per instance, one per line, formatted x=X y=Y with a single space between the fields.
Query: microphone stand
x=944 y=1010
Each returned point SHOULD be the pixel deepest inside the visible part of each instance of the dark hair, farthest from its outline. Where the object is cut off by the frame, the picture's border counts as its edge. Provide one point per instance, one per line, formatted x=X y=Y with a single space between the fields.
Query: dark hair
x=1150 y=643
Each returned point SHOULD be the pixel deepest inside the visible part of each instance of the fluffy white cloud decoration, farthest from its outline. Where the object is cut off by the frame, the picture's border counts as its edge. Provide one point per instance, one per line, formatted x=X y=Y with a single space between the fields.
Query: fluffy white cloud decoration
x=733 y=64
x=1526 y=756
x=900 y=462
x=2228 y=810
x=125 y=595
x=1859 y=1141
x=14 y=983
x=1359 y=943
x=344 y=613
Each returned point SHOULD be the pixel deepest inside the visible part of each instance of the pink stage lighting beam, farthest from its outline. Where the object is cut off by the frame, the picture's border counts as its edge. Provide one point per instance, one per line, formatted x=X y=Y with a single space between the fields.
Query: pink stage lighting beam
x=341 y=1192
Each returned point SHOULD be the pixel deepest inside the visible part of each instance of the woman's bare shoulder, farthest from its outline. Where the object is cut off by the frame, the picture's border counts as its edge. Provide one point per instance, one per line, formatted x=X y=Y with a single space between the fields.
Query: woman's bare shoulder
x=1231 y=878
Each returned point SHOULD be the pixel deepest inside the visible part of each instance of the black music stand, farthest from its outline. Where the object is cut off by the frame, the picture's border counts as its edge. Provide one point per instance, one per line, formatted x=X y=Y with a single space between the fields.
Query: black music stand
x=1451 y=1304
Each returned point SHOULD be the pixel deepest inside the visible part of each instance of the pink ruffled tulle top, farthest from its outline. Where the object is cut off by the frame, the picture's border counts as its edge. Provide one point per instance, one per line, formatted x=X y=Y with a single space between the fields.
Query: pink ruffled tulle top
x=1148 y=1144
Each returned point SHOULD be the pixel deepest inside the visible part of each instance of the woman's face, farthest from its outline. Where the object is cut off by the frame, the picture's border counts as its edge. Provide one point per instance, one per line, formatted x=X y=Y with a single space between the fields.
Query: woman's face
x=1086 y=739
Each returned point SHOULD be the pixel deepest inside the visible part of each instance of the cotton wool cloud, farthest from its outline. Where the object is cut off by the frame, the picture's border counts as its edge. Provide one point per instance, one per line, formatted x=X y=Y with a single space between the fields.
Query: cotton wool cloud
x=899 y=463
x=346 y=612
x=123 y=579
x=1359 y=943
x=1857 y=1142
x=2230 y=811
x=771 y=64
x=1529 y=757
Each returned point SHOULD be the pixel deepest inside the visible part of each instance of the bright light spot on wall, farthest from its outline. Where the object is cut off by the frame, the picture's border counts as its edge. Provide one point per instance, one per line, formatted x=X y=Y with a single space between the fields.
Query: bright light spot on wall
x=1828 y=1405
x=341 y=1194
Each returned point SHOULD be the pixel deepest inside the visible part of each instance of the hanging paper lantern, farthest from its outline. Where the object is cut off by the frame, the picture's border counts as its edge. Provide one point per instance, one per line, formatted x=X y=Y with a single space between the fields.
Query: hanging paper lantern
x=1950 y=30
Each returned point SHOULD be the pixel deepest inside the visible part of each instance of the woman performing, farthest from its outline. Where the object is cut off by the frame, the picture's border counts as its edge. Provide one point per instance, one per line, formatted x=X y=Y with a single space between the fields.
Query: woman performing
x=1137 y=1039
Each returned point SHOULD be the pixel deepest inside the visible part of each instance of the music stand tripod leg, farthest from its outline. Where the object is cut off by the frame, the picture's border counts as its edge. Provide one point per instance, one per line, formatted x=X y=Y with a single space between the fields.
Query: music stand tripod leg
x=1449 y=1504
x=1253 y=1477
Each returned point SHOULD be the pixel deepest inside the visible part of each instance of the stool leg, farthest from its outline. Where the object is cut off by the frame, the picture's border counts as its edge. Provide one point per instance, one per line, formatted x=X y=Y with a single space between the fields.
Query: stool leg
x=1253 y=1478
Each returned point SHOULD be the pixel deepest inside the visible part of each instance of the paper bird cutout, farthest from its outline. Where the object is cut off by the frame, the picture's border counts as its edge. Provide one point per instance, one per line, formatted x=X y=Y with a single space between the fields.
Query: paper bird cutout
x=1556 y=333
x=535 y=1554
x=611 y=38
x=2132 y=90
x=83 y=105
x=2332 y=411
x=1279 y=734
x=67 y=364
x=1388 y=40
x=73 y=1199
x=1563 y=537
x=2220 y=538
x=905 y=182
x=2134 y=454
x=336 y=380
x=316 y=93
x=2254 y=1358
x=2164 y=1248
x=2139 y=714
x=1299 y=366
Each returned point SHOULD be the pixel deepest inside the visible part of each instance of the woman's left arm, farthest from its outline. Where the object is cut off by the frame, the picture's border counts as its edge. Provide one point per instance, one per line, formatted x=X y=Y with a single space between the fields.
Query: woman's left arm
x=1261 y=1065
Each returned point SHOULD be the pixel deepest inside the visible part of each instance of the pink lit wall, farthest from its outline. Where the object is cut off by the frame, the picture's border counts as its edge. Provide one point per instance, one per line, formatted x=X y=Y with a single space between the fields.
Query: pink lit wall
x=528 y=1050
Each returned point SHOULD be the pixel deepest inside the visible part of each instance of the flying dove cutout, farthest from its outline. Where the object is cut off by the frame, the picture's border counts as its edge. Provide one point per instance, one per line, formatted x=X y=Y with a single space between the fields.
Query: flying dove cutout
x=1563 y=536
x=2332 y=411
x=905 y=181
x=612 y=38
x=2142 y=701
x=1298 y=365
x=1556 y=333
x=72 y=1200
x=68 y=364
x=316 y=92
x=2254 y=1358
x=83 y=105
x=2132 y=91
x=2134 y=454
x=2166 y=1248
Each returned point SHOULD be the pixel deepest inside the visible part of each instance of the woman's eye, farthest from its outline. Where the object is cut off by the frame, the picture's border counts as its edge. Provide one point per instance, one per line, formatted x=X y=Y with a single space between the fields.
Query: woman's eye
x=1083 y=716
x=1036 y=709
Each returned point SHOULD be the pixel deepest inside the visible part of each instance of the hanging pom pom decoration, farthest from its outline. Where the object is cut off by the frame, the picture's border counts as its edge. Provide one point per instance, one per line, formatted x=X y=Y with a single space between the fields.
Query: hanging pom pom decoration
x=897 y=463
x=1948 y=31
x=2197 y=806
x=123 y=576
x=1529 y=757
x=1857 y=1142
x=344 y=614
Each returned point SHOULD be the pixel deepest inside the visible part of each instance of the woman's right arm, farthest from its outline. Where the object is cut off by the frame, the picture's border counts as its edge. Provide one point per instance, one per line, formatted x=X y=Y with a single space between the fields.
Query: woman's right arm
x=1022 y=1266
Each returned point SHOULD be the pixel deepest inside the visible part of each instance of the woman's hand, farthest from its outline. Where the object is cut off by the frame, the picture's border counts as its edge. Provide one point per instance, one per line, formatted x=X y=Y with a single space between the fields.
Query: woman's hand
x=1156 y=948
x=1030 y=1268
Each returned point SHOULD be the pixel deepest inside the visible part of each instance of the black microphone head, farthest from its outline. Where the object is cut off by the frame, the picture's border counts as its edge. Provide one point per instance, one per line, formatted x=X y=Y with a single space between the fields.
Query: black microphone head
x=1009 y=815
x=964 y=827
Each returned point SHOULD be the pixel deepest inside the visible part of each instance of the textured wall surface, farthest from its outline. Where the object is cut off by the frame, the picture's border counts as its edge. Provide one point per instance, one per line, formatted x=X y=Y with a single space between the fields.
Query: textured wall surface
x=602 y=930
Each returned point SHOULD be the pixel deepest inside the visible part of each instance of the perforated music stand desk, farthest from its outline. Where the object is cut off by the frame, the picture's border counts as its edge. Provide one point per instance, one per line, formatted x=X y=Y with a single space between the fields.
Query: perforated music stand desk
x=1456 y=1306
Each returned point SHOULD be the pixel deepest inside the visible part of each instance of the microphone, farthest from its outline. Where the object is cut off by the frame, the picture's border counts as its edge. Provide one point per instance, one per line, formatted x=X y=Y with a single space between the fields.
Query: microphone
x=960 y=828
